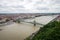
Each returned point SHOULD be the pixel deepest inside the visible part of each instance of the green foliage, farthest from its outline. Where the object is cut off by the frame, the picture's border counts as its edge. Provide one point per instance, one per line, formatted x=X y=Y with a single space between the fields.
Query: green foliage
x=18 y=21
x=7 y=20
x=51 y=31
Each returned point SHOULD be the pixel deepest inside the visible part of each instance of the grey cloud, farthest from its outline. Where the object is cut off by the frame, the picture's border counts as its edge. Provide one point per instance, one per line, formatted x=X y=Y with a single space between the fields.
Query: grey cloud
x=21 y=0
x=20 y=6
x=57 y=1
x=4 y=8
x=42 y=8
x=41 y=2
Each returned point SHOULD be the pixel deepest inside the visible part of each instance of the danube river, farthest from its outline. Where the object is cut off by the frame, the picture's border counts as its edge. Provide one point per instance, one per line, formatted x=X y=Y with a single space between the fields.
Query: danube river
x=17 y=31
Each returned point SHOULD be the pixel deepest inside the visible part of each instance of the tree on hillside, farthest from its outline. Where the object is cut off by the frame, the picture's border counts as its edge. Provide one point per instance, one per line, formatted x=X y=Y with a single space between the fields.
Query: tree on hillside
x=51 y=31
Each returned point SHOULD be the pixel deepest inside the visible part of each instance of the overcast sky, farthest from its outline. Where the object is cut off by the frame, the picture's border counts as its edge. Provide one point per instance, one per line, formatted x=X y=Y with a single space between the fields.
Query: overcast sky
x=29 y=6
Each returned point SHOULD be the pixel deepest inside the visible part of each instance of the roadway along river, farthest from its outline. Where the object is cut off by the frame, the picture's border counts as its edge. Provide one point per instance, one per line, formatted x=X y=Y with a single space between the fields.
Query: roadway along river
x=17 y=31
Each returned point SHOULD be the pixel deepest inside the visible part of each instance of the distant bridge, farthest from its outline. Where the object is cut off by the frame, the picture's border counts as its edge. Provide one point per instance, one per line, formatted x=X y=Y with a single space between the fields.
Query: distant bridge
x=22 y=20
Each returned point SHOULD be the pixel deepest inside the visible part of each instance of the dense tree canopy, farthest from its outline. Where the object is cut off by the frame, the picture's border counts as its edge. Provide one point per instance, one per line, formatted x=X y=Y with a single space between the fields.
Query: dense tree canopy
x=51 y=31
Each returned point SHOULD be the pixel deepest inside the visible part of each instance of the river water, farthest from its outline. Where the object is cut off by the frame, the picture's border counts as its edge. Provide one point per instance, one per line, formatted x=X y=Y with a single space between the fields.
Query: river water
x=17 y=31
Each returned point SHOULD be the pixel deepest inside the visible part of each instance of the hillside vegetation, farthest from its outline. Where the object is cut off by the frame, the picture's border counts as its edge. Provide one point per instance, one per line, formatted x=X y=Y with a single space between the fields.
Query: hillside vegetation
x=51 y=31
